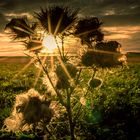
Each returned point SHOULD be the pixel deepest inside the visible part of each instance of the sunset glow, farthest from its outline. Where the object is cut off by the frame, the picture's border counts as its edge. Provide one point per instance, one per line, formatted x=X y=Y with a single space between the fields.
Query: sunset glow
x=120 y=23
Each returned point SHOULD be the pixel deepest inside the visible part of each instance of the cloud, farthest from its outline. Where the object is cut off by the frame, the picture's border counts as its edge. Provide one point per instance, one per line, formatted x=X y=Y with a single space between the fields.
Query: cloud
x=121 y=20
x=3 y=20
x=127 y=30
x=128 y=36
x=114 y=13
x=9 y=16
x=109 y=11
x=7 y=46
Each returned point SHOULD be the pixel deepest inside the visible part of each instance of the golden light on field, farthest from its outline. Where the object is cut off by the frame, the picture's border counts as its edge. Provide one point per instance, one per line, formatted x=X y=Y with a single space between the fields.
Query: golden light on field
x=49 y=44
x=24 y=68
x=40 y=70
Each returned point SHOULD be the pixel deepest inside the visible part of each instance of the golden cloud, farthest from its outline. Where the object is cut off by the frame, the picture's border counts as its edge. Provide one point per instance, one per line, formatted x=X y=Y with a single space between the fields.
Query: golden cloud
x=121 y=32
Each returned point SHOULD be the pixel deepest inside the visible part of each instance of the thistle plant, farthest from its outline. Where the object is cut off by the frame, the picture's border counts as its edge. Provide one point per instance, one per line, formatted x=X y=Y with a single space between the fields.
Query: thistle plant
x=63 y=81
x=30 y=108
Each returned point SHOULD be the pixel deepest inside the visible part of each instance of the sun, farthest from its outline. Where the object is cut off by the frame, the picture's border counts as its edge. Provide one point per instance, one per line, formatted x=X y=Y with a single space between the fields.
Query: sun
x=49 y=44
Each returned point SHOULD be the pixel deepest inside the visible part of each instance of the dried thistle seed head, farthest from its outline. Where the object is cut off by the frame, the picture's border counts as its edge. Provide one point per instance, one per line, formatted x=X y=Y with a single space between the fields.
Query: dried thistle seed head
x=46 y=112
x=31 y=111
x=12 y=123
x=29 y=108
x=66 y=71
x=87 y=59
x=21 y=101
x=101 y=59
x=47 y=83
x=62 y=84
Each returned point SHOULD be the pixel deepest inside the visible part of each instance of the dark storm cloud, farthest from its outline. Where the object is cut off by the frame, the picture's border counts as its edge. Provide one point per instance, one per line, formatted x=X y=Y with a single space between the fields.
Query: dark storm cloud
x=114 y=13
x=123 y=11
x=8 y=5
x=24 y=6
x=121 y=20
x=110 y=12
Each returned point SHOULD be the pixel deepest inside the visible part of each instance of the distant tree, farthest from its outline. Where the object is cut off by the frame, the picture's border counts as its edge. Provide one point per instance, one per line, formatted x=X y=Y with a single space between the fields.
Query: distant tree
x=105 y=54
x=112 y=46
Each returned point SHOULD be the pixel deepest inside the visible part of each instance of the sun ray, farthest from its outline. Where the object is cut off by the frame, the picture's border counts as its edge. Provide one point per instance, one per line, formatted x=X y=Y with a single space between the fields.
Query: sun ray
x=35 y=48
x=24 y=68
x=105 y=52
x=49 y=23
x=26 y=27
x=52 y=63
x=58 y=24
x=64 y=68
x=39 y=71
x=37 y=76
x=70 y=25
x=36 y=41
x=58 y=47
x=86 y=32
x=23 y=30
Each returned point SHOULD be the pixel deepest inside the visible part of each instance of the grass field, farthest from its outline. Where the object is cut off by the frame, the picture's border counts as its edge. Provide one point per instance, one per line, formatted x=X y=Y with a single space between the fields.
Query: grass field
x=117 y=102
x=133 y=57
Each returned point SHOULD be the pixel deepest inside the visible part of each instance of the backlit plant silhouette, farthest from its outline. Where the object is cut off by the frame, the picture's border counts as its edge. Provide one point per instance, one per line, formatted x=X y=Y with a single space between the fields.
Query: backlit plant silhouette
x=50 y=28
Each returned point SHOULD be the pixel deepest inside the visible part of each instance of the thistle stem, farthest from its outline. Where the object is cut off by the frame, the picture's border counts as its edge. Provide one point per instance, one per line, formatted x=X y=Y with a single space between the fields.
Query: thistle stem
x=59 y=49
x=78 y=112
x=69 y=111
x=47 y=74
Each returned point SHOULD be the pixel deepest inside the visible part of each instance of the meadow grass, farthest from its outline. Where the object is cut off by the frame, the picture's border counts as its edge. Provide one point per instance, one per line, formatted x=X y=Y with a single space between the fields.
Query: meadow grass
x=117 y=99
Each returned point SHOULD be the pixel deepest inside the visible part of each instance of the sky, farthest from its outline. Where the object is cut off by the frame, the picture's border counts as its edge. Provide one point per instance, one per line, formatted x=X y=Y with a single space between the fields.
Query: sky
x=121 y=19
